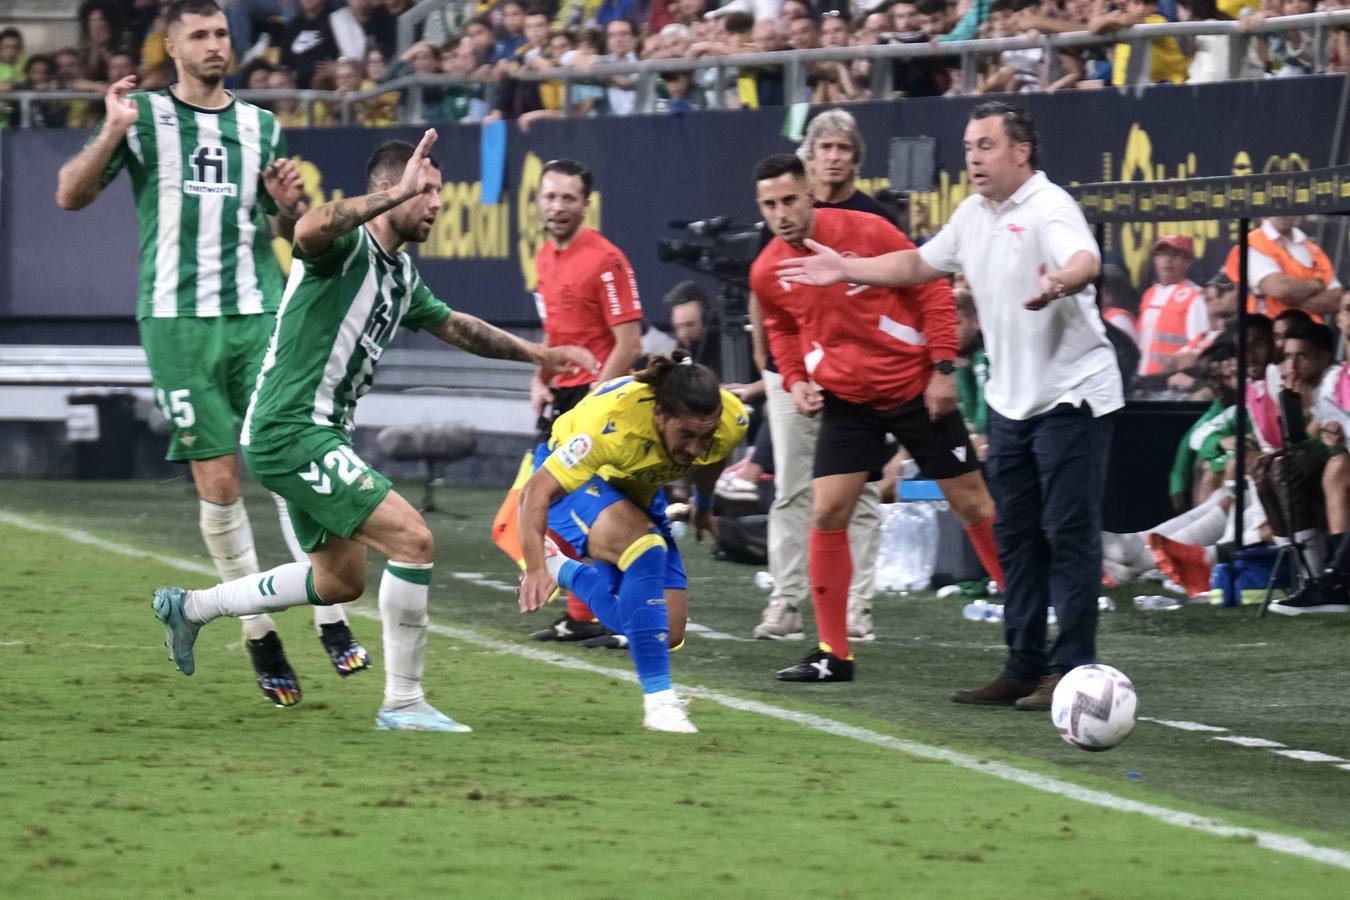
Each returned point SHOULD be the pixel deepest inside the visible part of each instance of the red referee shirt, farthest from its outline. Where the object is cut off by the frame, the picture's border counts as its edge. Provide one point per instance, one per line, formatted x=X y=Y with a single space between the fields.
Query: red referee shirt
x=863 y=344
x=587 y=289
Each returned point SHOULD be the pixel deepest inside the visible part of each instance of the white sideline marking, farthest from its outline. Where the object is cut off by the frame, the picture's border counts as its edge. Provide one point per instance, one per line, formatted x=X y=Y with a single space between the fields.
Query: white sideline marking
x=1249 y=741
x=1184 y=726
x=1313 y=756
x=1270 y=840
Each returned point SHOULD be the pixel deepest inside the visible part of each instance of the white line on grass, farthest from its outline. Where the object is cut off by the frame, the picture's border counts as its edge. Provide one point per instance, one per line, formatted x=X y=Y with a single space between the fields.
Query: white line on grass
x=1280 y=843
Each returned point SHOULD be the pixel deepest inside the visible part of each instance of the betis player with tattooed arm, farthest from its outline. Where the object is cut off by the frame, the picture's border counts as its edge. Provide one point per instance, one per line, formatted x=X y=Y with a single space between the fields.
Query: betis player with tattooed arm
x=597 y=491
x=352 y=288
x=207 y=170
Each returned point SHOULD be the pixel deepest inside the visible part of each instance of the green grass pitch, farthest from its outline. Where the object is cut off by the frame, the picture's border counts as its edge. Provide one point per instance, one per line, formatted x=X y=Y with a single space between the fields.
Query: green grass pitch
x=121 y=778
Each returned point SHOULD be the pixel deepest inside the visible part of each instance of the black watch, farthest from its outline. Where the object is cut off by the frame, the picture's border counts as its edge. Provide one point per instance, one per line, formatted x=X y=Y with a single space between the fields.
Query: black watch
x=944 y=367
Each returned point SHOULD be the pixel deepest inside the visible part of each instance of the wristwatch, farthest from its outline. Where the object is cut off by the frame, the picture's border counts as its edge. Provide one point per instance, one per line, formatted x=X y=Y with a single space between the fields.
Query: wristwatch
x=944 y=367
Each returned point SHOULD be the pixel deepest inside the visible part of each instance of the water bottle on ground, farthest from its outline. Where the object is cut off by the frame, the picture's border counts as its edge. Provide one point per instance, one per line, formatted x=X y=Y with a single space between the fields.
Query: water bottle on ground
x=908 y=555
x=1152 y=602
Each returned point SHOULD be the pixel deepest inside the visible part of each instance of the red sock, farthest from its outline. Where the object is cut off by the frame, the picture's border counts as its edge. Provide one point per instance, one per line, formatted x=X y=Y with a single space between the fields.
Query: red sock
x=578 y=611
x=981 y=536
x=831 y=568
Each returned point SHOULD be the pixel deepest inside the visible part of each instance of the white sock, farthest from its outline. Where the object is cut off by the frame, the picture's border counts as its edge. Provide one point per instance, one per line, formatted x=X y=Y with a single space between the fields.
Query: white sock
x=657 y=698
x=1203 y=530
x=229 y=540
x=281 y=588
x=323 y=615
x=403 y=612
x=1177 y=523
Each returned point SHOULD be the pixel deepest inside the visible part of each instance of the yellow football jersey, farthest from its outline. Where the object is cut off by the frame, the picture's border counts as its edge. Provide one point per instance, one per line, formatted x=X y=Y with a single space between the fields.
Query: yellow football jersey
x=611 y=434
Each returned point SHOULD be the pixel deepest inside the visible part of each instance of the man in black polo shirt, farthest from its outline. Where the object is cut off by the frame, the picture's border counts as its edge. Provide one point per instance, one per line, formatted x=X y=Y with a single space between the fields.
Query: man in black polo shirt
x=832 y=150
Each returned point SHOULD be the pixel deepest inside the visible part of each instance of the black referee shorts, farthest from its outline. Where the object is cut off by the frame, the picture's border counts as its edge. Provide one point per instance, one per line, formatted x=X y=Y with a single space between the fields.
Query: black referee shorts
x=853 y=439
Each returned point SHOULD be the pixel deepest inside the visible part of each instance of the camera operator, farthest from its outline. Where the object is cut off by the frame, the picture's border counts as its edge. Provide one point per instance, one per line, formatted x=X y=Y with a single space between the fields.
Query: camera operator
x=691 y=319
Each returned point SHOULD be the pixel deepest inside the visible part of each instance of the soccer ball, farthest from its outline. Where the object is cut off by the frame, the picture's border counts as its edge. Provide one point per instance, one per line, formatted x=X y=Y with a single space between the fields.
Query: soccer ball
x=1094 y=707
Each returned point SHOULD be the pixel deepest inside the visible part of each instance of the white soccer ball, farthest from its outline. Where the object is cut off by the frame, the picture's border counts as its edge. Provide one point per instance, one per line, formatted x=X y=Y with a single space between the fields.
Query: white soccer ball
x=1094 y=707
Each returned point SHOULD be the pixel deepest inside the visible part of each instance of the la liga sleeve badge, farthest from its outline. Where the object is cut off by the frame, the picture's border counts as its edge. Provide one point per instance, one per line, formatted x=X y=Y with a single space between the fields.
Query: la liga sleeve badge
x=577 y=449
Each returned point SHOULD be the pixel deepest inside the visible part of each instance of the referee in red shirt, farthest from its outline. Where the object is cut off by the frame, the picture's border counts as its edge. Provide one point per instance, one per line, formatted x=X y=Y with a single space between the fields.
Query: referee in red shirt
x=588 y=297
x=586 y=292
x=871 y=361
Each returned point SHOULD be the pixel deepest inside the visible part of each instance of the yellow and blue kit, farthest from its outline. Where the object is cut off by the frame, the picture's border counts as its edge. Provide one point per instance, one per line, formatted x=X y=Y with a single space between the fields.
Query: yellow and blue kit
x=607 y=448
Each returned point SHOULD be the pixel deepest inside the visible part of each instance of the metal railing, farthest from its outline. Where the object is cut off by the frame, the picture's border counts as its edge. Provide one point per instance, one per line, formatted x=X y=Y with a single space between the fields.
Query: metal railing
x=720 y=72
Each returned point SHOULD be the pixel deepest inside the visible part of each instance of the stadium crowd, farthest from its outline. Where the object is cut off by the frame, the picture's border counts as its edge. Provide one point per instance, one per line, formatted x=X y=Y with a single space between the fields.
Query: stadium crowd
x=351 y=45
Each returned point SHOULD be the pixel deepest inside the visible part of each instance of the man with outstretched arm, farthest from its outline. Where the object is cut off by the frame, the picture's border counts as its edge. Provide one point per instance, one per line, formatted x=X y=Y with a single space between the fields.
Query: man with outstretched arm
x=354 y=288
x=1030 y=258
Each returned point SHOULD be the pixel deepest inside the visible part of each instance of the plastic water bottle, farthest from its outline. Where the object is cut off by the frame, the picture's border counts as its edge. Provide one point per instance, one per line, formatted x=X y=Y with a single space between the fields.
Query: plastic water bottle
x=1106 y=604
x=1150 y=602
x=764 y=581
x=980 y=611
x=908 y=553
x=678 y=528
x=949 y=590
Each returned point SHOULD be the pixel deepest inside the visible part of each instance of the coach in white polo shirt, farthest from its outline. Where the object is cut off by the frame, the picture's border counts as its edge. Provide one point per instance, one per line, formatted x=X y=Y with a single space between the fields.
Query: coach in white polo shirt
x=1030 y=258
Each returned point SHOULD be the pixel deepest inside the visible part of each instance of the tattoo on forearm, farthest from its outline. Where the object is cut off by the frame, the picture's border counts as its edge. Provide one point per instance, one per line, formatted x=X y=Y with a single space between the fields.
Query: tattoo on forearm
x=345 y=215
x=480 y=338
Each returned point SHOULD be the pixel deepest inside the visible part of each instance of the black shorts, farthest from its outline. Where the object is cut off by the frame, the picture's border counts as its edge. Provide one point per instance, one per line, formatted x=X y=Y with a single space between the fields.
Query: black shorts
x=563 y=400
x=853 y=439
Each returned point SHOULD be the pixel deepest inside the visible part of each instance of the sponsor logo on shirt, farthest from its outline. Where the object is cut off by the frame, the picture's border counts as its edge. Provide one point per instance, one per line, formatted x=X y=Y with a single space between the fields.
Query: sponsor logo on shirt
x=610 y=428
x=576 y=450
x=210 y=165
x=1017 y=229
x=611 y=292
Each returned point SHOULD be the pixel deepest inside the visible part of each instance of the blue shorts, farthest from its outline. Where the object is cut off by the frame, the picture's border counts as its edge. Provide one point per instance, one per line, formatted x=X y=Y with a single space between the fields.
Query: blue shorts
x=572 y=516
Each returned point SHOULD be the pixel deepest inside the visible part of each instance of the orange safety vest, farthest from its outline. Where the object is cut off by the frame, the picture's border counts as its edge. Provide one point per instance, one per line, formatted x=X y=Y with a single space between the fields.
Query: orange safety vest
x=1169 y=329
x=1258 y=303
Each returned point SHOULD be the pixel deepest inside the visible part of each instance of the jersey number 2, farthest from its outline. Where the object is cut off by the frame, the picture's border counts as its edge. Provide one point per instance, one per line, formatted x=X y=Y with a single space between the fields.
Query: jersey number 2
x=344 y=463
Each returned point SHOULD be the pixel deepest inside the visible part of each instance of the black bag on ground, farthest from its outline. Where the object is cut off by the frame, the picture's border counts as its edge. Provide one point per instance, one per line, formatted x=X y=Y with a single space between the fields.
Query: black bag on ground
x=744 y=539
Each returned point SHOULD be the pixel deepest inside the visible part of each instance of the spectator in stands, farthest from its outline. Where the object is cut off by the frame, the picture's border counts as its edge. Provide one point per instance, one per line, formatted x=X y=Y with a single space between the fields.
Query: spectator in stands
x=39 y=75
x=520 y=98
x=918 y=77
x=459 y=102
x=512 y=34
x=99 y=35
x=12 y=61
x=1209 y=53
x=156 y=67
x=689 y=304
x=1166 y=61
x=1290 y=52
x=1017 y=70
x=374 y=64
x=802 y=33
x=69 y=76
x=479 y=32
x=253 y=77
x=292 y=113
x=621 y=41
x=586 y=98
x=240 y=14
x=120 y=65
x=1172 y=312
x=308 y=41
x=835 y=82
x=380 y=111
x=1286 y=268
x=362 y=24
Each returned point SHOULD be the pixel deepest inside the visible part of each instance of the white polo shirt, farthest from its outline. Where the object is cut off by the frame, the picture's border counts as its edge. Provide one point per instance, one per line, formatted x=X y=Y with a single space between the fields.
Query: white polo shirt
x=1037 y=360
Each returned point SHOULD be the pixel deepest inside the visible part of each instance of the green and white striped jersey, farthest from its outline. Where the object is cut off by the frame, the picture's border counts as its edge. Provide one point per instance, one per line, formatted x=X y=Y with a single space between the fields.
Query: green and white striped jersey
x=196 y=178
x=340 y=312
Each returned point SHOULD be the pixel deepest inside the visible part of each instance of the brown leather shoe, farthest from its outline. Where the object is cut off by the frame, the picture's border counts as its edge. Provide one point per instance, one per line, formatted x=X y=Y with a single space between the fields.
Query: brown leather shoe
x=1002 y=691
x=1041 y=697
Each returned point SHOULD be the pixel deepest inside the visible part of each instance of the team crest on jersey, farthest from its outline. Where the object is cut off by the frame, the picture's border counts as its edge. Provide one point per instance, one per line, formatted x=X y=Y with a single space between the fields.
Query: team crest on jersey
x=367 y=484
x=210 y=171
x=577 y=449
